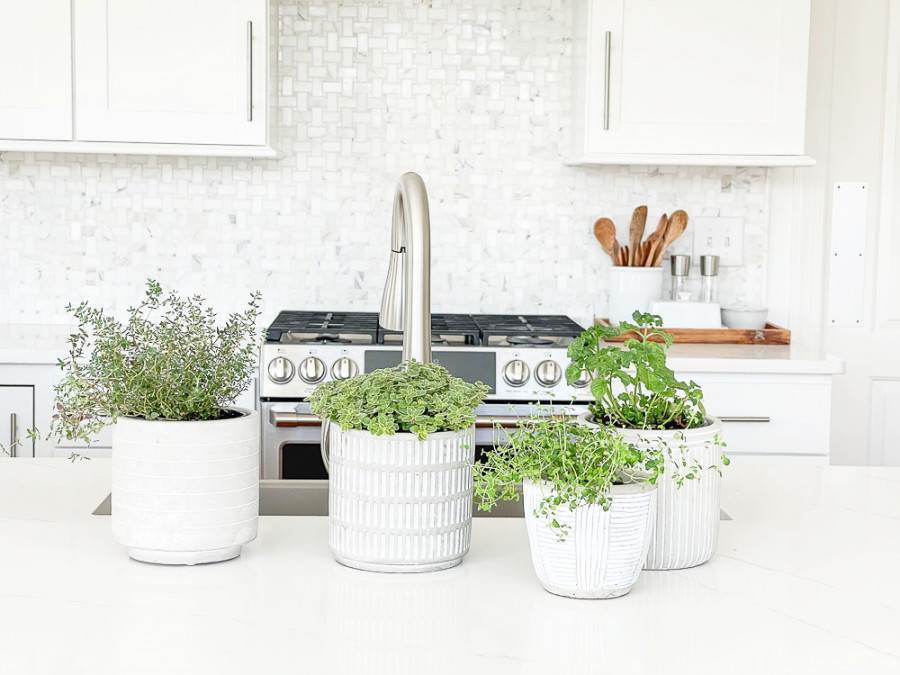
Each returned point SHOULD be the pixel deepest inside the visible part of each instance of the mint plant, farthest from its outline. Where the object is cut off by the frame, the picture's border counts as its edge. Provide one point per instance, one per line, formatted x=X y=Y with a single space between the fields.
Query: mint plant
x=418 y=398
x=169 y=361
x=580 y=463
x=632 y=386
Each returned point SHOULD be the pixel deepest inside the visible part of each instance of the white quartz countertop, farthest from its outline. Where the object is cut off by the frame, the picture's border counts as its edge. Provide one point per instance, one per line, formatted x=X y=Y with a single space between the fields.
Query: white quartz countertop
x=804 y=581
x=44 y=344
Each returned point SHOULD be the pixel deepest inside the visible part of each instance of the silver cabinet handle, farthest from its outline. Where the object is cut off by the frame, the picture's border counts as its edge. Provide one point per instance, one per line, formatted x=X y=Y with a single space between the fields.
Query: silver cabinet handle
x=249 y=71
x=745 y=418
x=606 y=77
x=13 y=433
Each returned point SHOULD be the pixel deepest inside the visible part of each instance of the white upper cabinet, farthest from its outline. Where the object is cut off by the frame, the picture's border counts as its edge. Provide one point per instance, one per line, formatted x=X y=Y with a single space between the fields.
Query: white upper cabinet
x=170 y=71
x=693 y=81
x=135 y=76
x=36 y=70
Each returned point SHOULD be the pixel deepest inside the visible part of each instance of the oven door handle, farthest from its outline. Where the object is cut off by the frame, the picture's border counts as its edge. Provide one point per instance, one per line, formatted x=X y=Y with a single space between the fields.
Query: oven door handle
x=290 y=418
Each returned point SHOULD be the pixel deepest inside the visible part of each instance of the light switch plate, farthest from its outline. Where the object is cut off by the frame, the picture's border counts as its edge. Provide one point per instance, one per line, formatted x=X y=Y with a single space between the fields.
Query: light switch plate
x=721 y=236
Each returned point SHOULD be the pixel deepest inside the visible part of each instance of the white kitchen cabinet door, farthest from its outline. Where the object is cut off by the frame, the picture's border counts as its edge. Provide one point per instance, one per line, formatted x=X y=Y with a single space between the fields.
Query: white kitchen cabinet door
x=36 y=70
x=693 y=77
x=170 y=71
x=16 y=418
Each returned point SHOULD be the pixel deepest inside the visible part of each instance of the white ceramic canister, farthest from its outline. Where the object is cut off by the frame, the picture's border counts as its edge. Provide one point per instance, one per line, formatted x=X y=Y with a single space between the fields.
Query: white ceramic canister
x=632 y=288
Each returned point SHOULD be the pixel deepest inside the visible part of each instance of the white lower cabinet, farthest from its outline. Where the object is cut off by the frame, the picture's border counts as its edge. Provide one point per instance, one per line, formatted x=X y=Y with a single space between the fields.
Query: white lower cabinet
x=770 y=414
x=16 y=418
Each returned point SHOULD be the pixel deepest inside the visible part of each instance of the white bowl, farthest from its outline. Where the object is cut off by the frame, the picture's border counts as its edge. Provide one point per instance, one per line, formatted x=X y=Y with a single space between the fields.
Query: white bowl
x=744 y=317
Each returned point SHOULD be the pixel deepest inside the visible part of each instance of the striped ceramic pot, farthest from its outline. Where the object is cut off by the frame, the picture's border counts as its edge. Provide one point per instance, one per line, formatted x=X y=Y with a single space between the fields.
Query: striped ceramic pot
x=687 y=517
x=185 y=492
x=602 y=552
x=397 y=503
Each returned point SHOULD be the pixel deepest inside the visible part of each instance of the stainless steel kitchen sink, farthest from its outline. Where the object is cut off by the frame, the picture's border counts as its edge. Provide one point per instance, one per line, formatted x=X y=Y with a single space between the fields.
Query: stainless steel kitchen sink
x=310 y=498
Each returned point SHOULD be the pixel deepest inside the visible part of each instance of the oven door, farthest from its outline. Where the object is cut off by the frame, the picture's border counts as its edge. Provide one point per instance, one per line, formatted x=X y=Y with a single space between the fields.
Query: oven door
x=292 y=435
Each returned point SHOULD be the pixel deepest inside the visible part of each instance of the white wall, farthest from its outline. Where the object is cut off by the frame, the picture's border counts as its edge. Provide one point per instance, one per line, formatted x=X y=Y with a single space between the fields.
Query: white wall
x=472 y=94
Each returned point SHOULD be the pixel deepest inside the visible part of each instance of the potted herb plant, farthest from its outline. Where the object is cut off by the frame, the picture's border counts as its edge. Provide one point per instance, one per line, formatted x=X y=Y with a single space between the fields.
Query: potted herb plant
x=589 y=502
x=636 y=392
x=400 y=449
x=185 y=463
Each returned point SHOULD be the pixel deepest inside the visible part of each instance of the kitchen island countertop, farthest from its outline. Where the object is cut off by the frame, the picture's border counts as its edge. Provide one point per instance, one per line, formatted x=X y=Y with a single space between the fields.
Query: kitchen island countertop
x=804 y=581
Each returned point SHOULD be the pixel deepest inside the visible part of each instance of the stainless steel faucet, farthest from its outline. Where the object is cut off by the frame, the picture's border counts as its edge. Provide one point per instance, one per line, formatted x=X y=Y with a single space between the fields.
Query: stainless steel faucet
x=406 y=303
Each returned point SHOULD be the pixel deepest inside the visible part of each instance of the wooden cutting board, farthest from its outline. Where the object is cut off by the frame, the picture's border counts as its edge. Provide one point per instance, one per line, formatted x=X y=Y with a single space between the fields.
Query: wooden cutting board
x=770 y=335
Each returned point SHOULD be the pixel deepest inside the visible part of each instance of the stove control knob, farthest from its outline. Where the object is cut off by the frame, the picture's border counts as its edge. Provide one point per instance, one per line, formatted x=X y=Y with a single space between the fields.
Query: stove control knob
x=516 y=373
x=344 y=368
x=548 y=373
x=312 y=370
x=281 y=370
x=582 y=381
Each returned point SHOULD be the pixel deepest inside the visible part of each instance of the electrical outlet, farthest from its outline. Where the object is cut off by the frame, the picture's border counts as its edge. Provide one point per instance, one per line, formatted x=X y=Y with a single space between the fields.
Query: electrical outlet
x=723 y=237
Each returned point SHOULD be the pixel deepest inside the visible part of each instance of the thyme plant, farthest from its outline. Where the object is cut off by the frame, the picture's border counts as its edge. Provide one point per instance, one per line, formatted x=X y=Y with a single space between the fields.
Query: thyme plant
x=418 y=398
x=632 y=386
x=170 y=360
x=580 y=463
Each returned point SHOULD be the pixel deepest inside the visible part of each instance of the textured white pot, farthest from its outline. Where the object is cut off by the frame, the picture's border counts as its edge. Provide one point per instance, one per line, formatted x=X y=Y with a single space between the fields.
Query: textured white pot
x=185 y=492
x=687 y=517
x=398 y=504
x=603 y=551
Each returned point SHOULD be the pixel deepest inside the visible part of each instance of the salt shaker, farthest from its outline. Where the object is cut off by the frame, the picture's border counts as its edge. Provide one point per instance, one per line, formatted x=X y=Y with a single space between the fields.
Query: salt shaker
x=681 y=268
x=709 y=278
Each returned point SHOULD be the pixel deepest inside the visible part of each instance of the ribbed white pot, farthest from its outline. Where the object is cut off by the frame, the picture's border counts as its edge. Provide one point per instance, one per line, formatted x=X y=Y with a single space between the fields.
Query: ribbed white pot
x=602 y=553
x=687 y=517
x=185 y=492
x=398 y=504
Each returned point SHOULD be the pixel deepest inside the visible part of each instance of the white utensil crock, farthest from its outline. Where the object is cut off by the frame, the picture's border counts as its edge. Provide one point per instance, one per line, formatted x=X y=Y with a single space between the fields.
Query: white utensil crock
x=399 y=504
x=602 y=553
x=185 y=492
x=632 y=288
x=687 y=517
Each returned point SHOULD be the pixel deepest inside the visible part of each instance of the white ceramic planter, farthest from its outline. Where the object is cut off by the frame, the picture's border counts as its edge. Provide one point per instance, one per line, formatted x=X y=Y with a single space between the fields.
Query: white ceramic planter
x=632 y=288
x=185 y=492
x=687 y=518
x=398 y=504
x=603 y=552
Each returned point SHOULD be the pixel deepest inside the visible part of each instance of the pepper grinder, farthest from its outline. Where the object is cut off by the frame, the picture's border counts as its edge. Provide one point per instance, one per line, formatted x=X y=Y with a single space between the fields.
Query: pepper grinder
x=681 y=268
x=709 y=278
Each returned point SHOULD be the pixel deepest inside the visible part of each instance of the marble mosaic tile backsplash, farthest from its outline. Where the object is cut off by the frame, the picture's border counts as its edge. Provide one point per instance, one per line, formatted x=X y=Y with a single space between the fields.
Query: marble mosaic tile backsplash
x=474 y=95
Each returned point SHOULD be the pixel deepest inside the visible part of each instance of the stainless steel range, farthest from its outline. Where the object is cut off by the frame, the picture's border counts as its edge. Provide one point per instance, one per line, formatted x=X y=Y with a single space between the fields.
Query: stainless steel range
x=521 y=358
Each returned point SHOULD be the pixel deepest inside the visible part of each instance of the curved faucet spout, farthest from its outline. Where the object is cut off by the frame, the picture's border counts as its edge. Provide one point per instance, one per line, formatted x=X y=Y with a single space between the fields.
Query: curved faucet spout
x=406 y=303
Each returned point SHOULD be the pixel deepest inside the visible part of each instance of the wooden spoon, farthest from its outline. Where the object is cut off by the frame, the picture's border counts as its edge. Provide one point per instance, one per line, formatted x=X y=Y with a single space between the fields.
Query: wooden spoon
x=675 y=228
x=636 y=232
x=605 y=233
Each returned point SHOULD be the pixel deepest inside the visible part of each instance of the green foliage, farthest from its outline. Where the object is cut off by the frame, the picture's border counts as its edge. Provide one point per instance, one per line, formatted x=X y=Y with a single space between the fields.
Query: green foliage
x=169 y=361
x=632 y=386
x=580 y=462
x=418 y=398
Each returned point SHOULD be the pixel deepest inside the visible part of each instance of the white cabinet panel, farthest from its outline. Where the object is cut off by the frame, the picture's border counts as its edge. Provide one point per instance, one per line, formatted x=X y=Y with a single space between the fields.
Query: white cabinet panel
x=36 y=70
x=16 y=419
x=694 y=77
x=169 y=71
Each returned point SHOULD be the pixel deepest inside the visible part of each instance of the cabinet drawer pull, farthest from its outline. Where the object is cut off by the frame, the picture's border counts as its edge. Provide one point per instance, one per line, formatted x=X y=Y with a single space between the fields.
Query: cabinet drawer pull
x=249 y=71
x=13 y=433
x=745 y=418
x=607 y=49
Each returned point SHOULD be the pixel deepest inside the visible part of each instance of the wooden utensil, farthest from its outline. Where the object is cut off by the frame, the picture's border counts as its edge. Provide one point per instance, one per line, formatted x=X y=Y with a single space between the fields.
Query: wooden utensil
x=675 y=228
x=636 y=232
x=605 y=233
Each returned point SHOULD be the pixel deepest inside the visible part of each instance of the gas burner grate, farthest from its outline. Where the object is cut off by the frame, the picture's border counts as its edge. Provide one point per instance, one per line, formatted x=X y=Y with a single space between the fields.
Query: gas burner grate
x=324 y=327
x=446 y=329
x=526 y=330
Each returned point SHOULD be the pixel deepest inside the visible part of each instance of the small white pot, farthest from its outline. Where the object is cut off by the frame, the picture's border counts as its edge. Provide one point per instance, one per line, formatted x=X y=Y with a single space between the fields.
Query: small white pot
x=185 y=492
x=602 y=553
x=632 y=288
x=398 y=504
x=687 y=517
